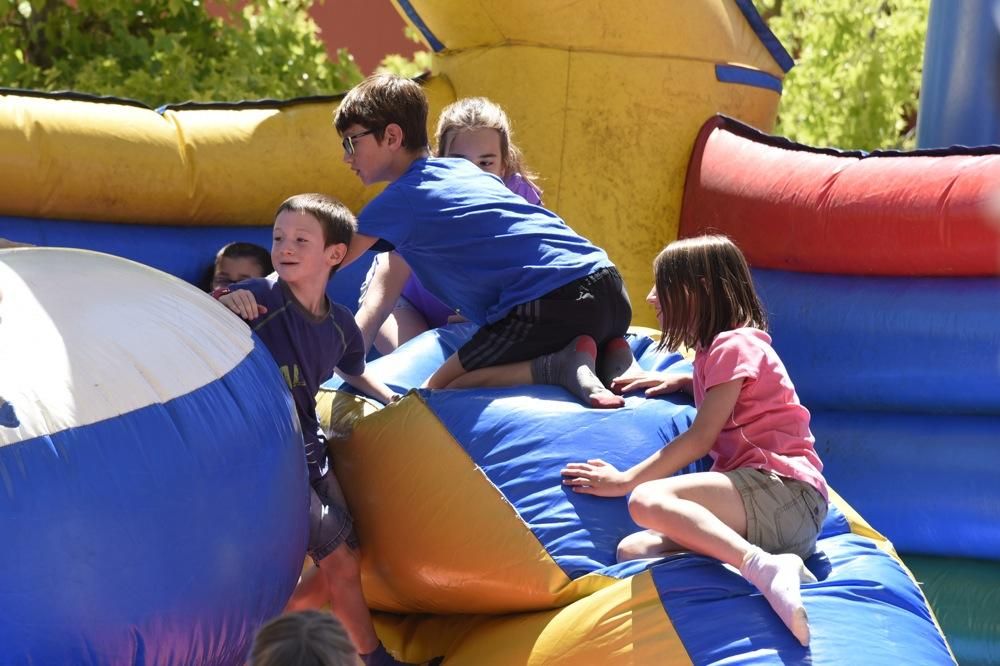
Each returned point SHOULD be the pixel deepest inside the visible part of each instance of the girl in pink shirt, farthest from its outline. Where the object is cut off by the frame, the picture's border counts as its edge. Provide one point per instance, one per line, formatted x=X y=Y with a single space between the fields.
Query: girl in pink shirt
x=761 y=506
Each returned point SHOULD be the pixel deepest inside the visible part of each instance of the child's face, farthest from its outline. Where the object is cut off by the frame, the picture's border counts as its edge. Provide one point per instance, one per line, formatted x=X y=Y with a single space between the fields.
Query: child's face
x=235 y=269
x=654 y=301
x=368 y=159
x=298 y=252
x=479 y=146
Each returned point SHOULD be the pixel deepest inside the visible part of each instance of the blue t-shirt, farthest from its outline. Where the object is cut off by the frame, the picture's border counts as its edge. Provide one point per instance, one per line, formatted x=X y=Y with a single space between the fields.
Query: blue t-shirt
x=474 y=244
x=307 y=349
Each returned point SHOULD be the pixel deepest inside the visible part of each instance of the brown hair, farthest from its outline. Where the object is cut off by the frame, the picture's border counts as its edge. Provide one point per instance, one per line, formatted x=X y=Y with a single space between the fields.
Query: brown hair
x=335 y=219
x=471 y=113
x=244 y=250
x=304 y=638
x=704 y=287
x=384 y=99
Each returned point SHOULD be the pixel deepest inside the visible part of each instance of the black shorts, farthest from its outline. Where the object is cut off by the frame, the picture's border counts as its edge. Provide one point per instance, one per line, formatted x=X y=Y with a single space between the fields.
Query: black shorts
x=596 y=305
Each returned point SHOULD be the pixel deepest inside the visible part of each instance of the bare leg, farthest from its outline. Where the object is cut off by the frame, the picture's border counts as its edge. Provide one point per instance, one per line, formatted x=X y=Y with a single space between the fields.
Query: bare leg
x=700 y=512
x=704 y=513
x=337 y=581
x=452 y=375
x=449 y=371
x=401 y=326
x=511 y=374
x=385 y=285
x=647 y=543
x=311 y=592
x=343 y=578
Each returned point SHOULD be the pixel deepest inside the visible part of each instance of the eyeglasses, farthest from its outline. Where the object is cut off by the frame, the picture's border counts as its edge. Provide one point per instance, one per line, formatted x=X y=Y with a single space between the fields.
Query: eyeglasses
x=348 y=142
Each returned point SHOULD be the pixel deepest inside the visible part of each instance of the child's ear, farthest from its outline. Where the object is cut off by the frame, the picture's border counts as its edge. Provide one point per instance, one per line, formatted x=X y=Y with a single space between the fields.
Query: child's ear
x=335 y=253
x=393 y=135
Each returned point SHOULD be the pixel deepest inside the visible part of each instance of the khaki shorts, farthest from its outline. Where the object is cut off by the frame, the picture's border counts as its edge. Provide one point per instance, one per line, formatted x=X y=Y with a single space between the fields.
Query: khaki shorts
x=783 y=515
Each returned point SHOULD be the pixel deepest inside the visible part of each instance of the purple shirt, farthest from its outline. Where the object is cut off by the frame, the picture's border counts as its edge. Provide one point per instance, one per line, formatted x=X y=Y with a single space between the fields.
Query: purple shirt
x=306 y=348
x=435 y=312
x=518 y=184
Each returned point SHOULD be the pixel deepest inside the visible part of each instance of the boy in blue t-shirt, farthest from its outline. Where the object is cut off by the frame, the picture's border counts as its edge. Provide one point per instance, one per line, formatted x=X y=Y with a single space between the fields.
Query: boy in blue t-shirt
x=546 y=299
x=309 y=337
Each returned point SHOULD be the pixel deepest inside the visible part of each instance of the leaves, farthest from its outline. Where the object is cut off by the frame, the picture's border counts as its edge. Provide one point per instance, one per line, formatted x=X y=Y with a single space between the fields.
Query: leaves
x=164 y=51
x=395 y=63
x=858 y=67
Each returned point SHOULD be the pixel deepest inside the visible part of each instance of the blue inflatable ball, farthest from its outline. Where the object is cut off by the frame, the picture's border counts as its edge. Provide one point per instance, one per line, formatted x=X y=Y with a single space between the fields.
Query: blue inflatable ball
x=153 y=488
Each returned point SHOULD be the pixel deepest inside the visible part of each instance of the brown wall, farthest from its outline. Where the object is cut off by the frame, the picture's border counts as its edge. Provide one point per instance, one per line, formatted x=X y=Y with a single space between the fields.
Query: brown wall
x=369 y=29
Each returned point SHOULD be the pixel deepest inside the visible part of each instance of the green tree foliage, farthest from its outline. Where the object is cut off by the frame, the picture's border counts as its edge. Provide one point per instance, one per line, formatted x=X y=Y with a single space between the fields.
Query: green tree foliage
x=162 y=51
x=394 y=63
x=857 y=75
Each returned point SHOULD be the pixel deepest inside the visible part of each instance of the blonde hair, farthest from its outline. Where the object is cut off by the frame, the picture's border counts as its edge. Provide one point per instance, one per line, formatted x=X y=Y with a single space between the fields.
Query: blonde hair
x=472 y=113
x=703 y=286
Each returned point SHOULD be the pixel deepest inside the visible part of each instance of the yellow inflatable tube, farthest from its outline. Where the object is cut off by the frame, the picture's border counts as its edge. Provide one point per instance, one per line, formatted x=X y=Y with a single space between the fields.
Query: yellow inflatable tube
x=606 y=100
x=100 y=161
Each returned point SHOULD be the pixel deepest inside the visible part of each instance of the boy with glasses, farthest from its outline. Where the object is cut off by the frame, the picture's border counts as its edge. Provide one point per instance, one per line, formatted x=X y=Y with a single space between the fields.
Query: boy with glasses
x=545 y=298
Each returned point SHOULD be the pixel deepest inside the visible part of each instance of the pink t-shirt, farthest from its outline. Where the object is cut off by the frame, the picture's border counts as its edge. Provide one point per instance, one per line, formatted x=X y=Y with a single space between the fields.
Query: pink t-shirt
x=769 y=428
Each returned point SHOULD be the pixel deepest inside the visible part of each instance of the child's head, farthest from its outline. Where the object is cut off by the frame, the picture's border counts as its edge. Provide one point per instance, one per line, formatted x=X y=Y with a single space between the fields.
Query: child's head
x=240 y=261
x=305 y=638
x=311 y=230
x=703 y=287
x=478 y=130
x=382 y=100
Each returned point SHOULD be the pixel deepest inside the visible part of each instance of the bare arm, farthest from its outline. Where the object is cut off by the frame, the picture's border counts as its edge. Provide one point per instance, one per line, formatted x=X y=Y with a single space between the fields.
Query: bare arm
x=360 y=244
x=367 y=383
x=240 y=301
x=384 y=289
x=596 y=477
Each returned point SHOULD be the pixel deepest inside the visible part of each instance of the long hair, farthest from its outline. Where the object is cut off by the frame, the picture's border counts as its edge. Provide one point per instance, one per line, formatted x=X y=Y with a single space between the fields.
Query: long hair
x=472 y=113
x=704 y=287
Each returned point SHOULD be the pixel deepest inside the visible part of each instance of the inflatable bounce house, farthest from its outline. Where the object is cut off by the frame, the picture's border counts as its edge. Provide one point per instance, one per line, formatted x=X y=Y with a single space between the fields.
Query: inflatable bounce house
x=154 y=491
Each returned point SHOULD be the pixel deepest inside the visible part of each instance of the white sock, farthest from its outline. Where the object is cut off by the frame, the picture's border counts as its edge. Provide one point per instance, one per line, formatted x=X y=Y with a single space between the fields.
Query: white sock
x=778 y=577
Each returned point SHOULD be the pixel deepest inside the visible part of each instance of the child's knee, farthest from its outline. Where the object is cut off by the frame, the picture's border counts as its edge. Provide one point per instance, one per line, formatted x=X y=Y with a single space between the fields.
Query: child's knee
x=640 y=502
x=628 y=549
x=648 y=500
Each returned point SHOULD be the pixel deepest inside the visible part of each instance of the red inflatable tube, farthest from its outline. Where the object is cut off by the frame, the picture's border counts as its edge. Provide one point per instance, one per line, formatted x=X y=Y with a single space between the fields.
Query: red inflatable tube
x=792 y=207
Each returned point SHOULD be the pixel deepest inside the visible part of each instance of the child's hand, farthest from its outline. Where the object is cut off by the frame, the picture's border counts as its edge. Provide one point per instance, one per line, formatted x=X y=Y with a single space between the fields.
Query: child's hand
x=243 y=303
x=456 y=319
x=596 y=477
x=654 y=383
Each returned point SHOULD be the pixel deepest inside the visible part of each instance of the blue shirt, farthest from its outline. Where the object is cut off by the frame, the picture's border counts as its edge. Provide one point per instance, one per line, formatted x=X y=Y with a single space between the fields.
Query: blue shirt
x=306 y=348
x=474 y=244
